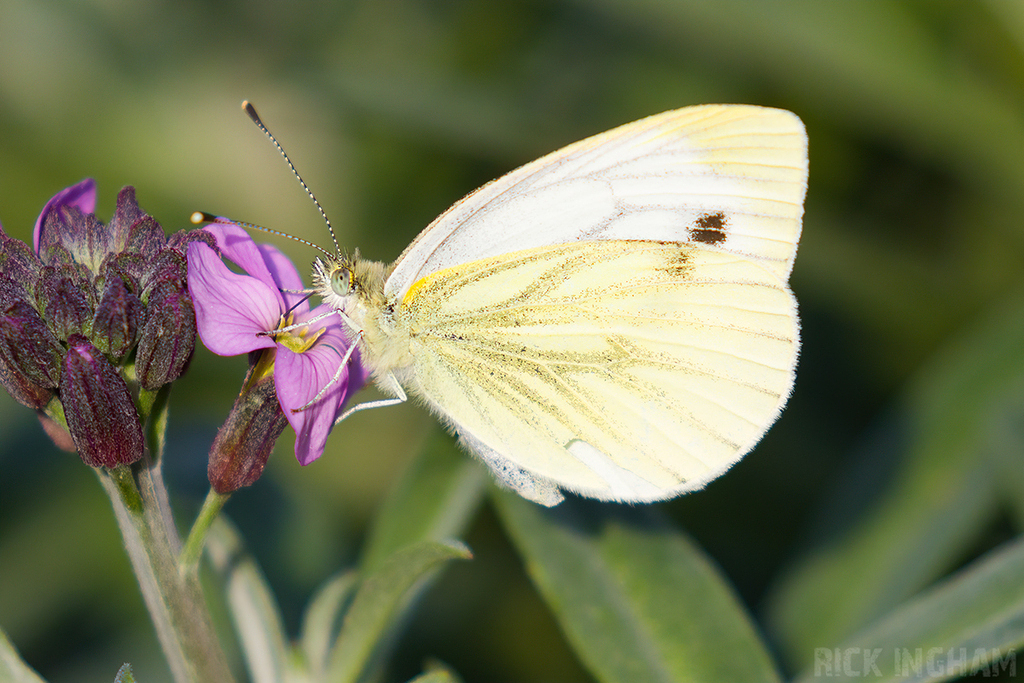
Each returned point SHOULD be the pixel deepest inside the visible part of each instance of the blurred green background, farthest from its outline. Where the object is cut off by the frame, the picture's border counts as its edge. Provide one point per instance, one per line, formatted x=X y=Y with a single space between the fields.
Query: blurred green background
x=910 y=277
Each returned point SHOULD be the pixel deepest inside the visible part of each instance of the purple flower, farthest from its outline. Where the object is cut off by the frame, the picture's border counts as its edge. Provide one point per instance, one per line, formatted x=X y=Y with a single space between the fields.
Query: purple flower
x=235 y=312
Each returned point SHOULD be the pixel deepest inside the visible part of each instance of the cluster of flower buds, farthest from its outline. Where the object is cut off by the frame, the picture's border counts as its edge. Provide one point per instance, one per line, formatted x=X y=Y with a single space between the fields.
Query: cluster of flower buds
x=92 y=316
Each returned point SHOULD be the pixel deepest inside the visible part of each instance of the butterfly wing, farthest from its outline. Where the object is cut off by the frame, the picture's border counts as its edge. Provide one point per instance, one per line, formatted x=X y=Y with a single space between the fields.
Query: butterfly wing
x=730 y=176
x=622 y=370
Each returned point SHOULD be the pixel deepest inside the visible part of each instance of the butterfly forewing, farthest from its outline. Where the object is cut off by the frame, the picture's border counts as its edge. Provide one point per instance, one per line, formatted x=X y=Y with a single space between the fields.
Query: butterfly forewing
x=624 y=370
x=724 y=175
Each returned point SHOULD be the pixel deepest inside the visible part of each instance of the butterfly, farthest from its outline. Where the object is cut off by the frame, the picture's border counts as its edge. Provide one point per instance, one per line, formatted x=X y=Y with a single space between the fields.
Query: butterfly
x=613 y=319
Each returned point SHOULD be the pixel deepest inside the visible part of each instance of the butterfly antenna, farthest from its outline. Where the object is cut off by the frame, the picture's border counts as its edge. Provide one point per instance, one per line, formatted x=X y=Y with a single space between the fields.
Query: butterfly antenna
x=251 y=111
x=203 y=217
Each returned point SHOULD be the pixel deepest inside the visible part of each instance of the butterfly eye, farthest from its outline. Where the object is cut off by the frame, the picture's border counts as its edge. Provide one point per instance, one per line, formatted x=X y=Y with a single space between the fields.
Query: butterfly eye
x=341 y=281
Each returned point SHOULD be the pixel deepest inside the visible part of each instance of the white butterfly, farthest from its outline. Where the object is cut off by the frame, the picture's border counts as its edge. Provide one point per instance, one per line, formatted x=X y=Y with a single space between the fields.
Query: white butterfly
x=613 y=319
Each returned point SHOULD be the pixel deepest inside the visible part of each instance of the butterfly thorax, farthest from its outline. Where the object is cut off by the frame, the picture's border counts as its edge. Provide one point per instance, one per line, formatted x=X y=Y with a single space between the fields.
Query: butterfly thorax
x=355 y=288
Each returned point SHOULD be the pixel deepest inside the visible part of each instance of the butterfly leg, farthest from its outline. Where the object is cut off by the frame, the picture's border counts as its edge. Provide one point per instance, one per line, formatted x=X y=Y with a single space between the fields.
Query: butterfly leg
x=337 y=375
x=393 y=385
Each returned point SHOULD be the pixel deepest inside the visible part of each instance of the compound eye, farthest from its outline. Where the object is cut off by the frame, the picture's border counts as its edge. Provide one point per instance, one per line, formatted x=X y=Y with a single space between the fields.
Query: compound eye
x=341 y=281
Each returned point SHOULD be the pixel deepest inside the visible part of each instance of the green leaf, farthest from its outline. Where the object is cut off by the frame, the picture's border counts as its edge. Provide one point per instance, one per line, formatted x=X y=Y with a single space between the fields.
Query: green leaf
x=377 y=601
x=437 y=673
x=435 y=499
x=636 y=598
x=946 y=488
x=968 y=624
x=13 y=668
x=252 y=605
x=320 y=621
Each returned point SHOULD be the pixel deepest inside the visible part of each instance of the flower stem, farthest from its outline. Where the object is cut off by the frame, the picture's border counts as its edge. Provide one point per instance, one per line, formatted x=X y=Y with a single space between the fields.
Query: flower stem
x=188 y=561
x=175 y=602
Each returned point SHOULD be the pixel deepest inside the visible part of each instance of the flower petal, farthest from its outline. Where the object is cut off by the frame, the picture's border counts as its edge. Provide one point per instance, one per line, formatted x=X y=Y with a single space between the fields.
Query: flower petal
x=237 y=246
x=231 y=309
x=81 y=195
x=286 y=276
x=300 y=377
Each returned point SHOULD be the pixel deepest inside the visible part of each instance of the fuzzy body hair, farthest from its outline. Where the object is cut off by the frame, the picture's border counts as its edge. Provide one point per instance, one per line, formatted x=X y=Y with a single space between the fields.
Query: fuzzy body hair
x=354 y=287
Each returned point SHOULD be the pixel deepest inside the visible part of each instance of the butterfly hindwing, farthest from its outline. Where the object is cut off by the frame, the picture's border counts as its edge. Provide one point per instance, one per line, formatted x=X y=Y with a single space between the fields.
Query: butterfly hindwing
x=623 y=370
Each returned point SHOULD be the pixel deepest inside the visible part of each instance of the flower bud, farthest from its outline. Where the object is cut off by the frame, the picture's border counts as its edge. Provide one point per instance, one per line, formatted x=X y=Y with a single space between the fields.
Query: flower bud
x=119 y=315
x=25 y=392
x=27 y=348
x=99 y=409
x=180 y=240
x=20 y=266
x=168 y=265
x=131 y=267
x=168 y=337
x=64 y=300
x=146 y=236
x=126 y=214
x=67 y=230
x=244 y=443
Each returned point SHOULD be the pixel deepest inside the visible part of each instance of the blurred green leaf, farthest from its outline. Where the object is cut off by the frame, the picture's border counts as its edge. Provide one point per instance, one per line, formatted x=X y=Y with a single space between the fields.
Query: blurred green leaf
x=378 y=599
x=878 y=66
x=13 y=668
x=435 y=499
x=967 y=623
x=253 y=608
x=946 y=487
x=437 y=673
x=320 y=620
x=637 y=600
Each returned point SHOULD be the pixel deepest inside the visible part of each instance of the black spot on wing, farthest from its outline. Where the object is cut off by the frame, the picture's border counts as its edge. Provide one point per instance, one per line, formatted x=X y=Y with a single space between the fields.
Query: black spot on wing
x=710 y=229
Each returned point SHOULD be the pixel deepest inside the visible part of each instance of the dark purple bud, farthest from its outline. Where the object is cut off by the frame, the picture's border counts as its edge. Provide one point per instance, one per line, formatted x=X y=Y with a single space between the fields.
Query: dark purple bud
x=244 y=443
x=23 y=391
x=119 y=315
x=99 y=409
x=146 y=236
x=27 y=348
x=83 y=235
x=58 y=256
x=65 y=300
x=180 y=240
x=19 y=265
x=168 y=337
x=12 y=291
x=126 y=213
x=167 y=266
x=132 y=268
x=24 y=368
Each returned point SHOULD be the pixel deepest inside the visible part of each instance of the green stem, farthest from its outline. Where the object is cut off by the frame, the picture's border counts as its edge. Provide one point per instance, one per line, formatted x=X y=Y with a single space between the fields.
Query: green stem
x=188 y=562
x=150 y=470
x=175 y=602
